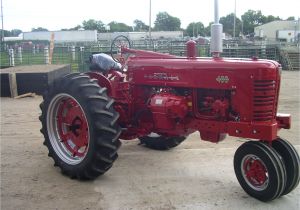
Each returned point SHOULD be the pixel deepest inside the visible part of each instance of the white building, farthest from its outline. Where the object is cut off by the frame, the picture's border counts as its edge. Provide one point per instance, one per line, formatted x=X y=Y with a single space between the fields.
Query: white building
x=143 y=35
x=63 y=36
x=274 y=30
x=287 y=35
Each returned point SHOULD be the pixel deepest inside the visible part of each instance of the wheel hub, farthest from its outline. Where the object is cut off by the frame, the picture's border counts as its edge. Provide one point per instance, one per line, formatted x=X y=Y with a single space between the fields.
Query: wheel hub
x=68 y=128
x=255 y=172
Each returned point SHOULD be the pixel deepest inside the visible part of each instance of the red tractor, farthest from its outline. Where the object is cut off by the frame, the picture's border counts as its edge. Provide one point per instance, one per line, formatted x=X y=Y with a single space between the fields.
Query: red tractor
x=161 y=99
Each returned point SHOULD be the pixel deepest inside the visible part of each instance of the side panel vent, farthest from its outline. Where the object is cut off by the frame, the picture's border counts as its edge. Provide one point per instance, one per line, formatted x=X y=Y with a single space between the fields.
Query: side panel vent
x=264 y=100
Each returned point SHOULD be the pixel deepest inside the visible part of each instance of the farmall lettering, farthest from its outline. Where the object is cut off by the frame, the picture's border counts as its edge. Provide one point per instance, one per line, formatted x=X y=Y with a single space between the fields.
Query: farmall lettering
x=161 y=76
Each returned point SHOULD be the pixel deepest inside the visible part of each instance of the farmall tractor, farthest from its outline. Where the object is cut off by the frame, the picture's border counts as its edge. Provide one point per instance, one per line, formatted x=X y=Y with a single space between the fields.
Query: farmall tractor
x=161 y=99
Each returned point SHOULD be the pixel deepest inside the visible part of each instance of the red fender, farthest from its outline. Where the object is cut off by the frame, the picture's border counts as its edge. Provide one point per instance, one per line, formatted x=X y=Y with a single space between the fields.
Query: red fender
x=102 y=81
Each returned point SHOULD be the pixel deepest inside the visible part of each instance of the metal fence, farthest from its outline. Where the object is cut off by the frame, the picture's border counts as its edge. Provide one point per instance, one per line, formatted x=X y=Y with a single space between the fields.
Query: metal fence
x=77 y=56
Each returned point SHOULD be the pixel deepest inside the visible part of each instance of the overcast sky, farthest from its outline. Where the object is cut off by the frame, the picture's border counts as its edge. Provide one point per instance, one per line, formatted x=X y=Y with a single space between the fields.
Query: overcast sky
x=58 y=14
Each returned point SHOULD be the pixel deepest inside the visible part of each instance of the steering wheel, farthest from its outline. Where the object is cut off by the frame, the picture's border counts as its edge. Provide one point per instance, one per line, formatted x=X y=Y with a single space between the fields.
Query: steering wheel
x=115 y=49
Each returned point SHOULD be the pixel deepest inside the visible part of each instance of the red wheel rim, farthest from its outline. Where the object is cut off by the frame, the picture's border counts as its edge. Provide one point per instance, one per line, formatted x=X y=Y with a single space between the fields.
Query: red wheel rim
x=255 y=172
x=68 y=128
x=72 y=127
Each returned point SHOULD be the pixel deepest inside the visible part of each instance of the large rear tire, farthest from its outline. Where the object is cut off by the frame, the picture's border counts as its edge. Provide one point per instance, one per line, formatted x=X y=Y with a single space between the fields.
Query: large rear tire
x=158 y=142
x=260 y=171
x=80 y=126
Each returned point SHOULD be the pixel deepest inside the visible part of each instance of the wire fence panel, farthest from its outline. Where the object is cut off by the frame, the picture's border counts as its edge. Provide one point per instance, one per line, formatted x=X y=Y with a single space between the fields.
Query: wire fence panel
x=78 y=56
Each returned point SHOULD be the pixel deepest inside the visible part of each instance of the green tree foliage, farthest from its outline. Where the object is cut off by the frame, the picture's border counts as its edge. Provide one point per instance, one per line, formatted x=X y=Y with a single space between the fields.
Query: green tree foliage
x=119 y=27
x=270 y=18
x=92 y=24
x=251 y=19
x=228 y=24
x=39 y=29
x=195 y=29
x=207 y=29
x=140 y=25
x=291 y=18
x=14 y=32
x=166 y=22
x=76 y=28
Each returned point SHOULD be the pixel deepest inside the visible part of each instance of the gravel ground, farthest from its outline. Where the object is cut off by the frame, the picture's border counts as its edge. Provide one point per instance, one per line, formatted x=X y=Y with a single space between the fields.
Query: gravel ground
x=195 y=175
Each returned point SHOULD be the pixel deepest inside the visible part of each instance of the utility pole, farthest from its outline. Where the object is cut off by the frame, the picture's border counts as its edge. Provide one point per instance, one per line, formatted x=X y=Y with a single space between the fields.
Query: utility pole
x=149 y=19
x=2 y=35
x=234 y=19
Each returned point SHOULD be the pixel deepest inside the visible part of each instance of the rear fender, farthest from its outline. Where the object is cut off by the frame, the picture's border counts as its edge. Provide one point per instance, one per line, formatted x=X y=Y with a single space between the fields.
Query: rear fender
x=103 y=81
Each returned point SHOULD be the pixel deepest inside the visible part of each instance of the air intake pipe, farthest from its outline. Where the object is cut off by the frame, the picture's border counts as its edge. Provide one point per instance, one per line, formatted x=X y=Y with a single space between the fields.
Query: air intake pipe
x=216 y=42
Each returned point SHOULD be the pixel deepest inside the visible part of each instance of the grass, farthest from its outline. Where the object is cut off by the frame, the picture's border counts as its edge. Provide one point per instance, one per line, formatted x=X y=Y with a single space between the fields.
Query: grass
x=60 y=56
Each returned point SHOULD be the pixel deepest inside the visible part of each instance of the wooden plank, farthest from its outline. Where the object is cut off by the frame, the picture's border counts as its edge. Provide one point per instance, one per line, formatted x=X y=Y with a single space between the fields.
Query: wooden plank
x=13 y=85
x=25 y=95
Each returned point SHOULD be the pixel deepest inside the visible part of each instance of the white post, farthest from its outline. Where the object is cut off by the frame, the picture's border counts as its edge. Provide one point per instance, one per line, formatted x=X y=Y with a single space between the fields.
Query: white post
x=33 y=49
x=263 y=49
x=81 y=54
x=150 y=7
x=73 y=53
x=11 y=57
x=46 y=55
x=20 y=54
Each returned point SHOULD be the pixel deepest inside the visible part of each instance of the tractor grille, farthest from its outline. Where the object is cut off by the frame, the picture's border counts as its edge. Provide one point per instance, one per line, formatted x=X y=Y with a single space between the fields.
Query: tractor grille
x=264 y=100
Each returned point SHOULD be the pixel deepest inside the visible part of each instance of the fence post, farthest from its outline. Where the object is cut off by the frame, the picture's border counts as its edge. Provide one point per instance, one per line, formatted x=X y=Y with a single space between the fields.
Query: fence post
x=263 y=49
x=13 y=85
x=20 y=54
x=82 y=58
x=11 y=57
x=46 y=55
x=33 y=49
x=73 y=53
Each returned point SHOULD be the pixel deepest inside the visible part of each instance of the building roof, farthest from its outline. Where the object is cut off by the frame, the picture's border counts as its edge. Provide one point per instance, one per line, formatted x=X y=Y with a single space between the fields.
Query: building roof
x=280 y=25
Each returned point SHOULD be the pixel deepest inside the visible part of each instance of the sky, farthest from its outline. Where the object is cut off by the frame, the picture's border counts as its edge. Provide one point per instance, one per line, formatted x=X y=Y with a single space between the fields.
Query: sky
x=58 y=14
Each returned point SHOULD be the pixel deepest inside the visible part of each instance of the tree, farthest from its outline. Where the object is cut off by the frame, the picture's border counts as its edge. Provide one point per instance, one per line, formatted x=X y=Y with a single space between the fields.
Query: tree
x=140 y=25
x=39 y=29
x=15 y=32
x=270 y=18
x=207 y=29
x=119 y=27
x=76 y=28
x=92 y=24
x=5 y=33
x=228 y=24
x=251 y=19
x=195 y=29
x=166 y=22
x=291 y=18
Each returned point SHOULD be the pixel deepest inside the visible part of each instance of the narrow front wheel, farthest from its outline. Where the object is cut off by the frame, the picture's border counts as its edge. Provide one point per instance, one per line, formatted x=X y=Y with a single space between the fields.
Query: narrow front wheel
x=291 y=161
x=259 y=171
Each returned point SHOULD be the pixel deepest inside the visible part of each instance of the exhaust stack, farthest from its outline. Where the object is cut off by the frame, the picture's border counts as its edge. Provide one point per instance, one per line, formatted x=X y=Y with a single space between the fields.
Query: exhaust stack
x=216 y=42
